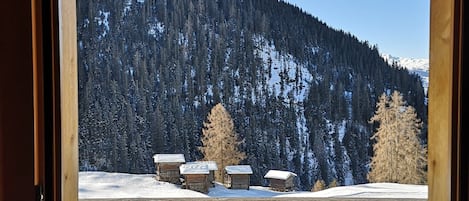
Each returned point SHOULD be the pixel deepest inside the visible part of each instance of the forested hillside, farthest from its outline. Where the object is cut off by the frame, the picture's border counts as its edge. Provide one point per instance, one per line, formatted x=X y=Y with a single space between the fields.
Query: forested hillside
x=300 y=93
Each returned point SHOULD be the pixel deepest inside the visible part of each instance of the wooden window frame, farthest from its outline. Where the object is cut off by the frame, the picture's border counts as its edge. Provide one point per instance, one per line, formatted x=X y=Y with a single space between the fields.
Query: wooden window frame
x=445 y=91
x=55 y=86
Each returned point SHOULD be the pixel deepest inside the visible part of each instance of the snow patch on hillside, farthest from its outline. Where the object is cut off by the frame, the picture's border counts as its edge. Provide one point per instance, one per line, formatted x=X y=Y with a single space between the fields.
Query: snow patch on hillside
x=285 y=77
x=103 y=20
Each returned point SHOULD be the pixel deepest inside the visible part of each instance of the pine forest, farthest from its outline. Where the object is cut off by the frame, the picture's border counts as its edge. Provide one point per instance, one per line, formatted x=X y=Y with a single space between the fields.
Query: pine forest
x=300 y=95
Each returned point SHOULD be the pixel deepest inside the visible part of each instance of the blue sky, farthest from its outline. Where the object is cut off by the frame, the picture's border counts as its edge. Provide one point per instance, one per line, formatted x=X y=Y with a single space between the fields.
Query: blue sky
x=397 y=27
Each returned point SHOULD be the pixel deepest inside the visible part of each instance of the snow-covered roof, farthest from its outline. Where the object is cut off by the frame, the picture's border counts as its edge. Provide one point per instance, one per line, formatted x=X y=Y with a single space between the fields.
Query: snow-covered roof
x=169 y=158
x=194 y=169
x=279 y=174
x=238 y=169
x=212 y=165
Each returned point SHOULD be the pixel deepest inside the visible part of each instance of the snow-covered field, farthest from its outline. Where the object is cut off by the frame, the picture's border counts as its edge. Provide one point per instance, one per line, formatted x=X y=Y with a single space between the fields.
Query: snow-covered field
x=121 y=185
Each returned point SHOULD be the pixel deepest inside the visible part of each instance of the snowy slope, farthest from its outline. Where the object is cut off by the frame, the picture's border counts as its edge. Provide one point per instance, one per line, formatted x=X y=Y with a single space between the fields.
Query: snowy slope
x=417 y=66
x=122 y=185
x=371 y=190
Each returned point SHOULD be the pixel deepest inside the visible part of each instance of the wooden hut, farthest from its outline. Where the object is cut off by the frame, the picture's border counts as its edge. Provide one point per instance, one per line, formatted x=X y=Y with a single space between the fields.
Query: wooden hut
x=281 y=180
x=212 y=167
x=167 y=167
x=195 y=177
x=237 y=176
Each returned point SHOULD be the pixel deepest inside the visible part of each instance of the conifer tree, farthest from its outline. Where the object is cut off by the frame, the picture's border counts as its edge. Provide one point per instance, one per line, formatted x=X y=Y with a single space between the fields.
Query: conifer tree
x=333 y=183
x=411 y=152
x=319 y=186
x=220 y=141
x=398 y=154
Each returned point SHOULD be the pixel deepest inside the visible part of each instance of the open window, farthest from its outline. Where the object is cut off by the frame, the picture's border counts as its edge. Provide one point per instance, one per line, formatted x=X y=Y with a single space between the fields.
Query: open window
x=444 y=104
x=54 y=119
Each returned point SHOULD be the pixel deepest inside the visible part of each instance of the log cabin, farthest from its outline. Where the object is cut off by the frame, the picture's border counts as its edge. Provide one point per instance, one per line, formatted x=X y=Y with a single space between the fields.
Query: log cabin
x=212 y=167
x=195 y=177
x=237 y=176
x=167 y=167
x=281 y=180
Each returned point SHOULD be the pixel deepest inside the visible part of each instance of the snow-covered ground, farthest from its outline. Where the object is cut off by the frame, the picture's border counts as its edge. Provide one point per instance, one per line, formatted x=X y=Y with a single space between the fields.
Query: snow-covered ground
x=121 y=185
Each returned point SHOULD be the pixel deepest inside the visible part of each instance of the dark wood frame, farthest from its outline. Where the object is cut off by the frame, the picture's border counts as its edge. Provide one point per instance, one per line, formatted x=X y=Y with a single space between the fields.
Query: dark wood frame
x=38 y=104
x=446 y=163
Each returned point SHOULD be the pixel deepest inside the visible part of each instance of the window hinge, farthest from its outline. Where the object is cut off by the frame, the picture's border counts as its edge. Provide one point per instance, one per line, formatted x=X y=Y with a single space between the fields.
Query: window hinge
x=39 y=193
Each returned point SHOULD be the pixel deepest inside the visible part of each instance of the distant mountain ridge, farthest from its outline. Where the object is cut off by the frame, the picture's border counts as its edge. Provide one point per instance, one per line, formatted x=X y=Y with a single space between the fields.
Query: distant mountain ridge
x=419 y=66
